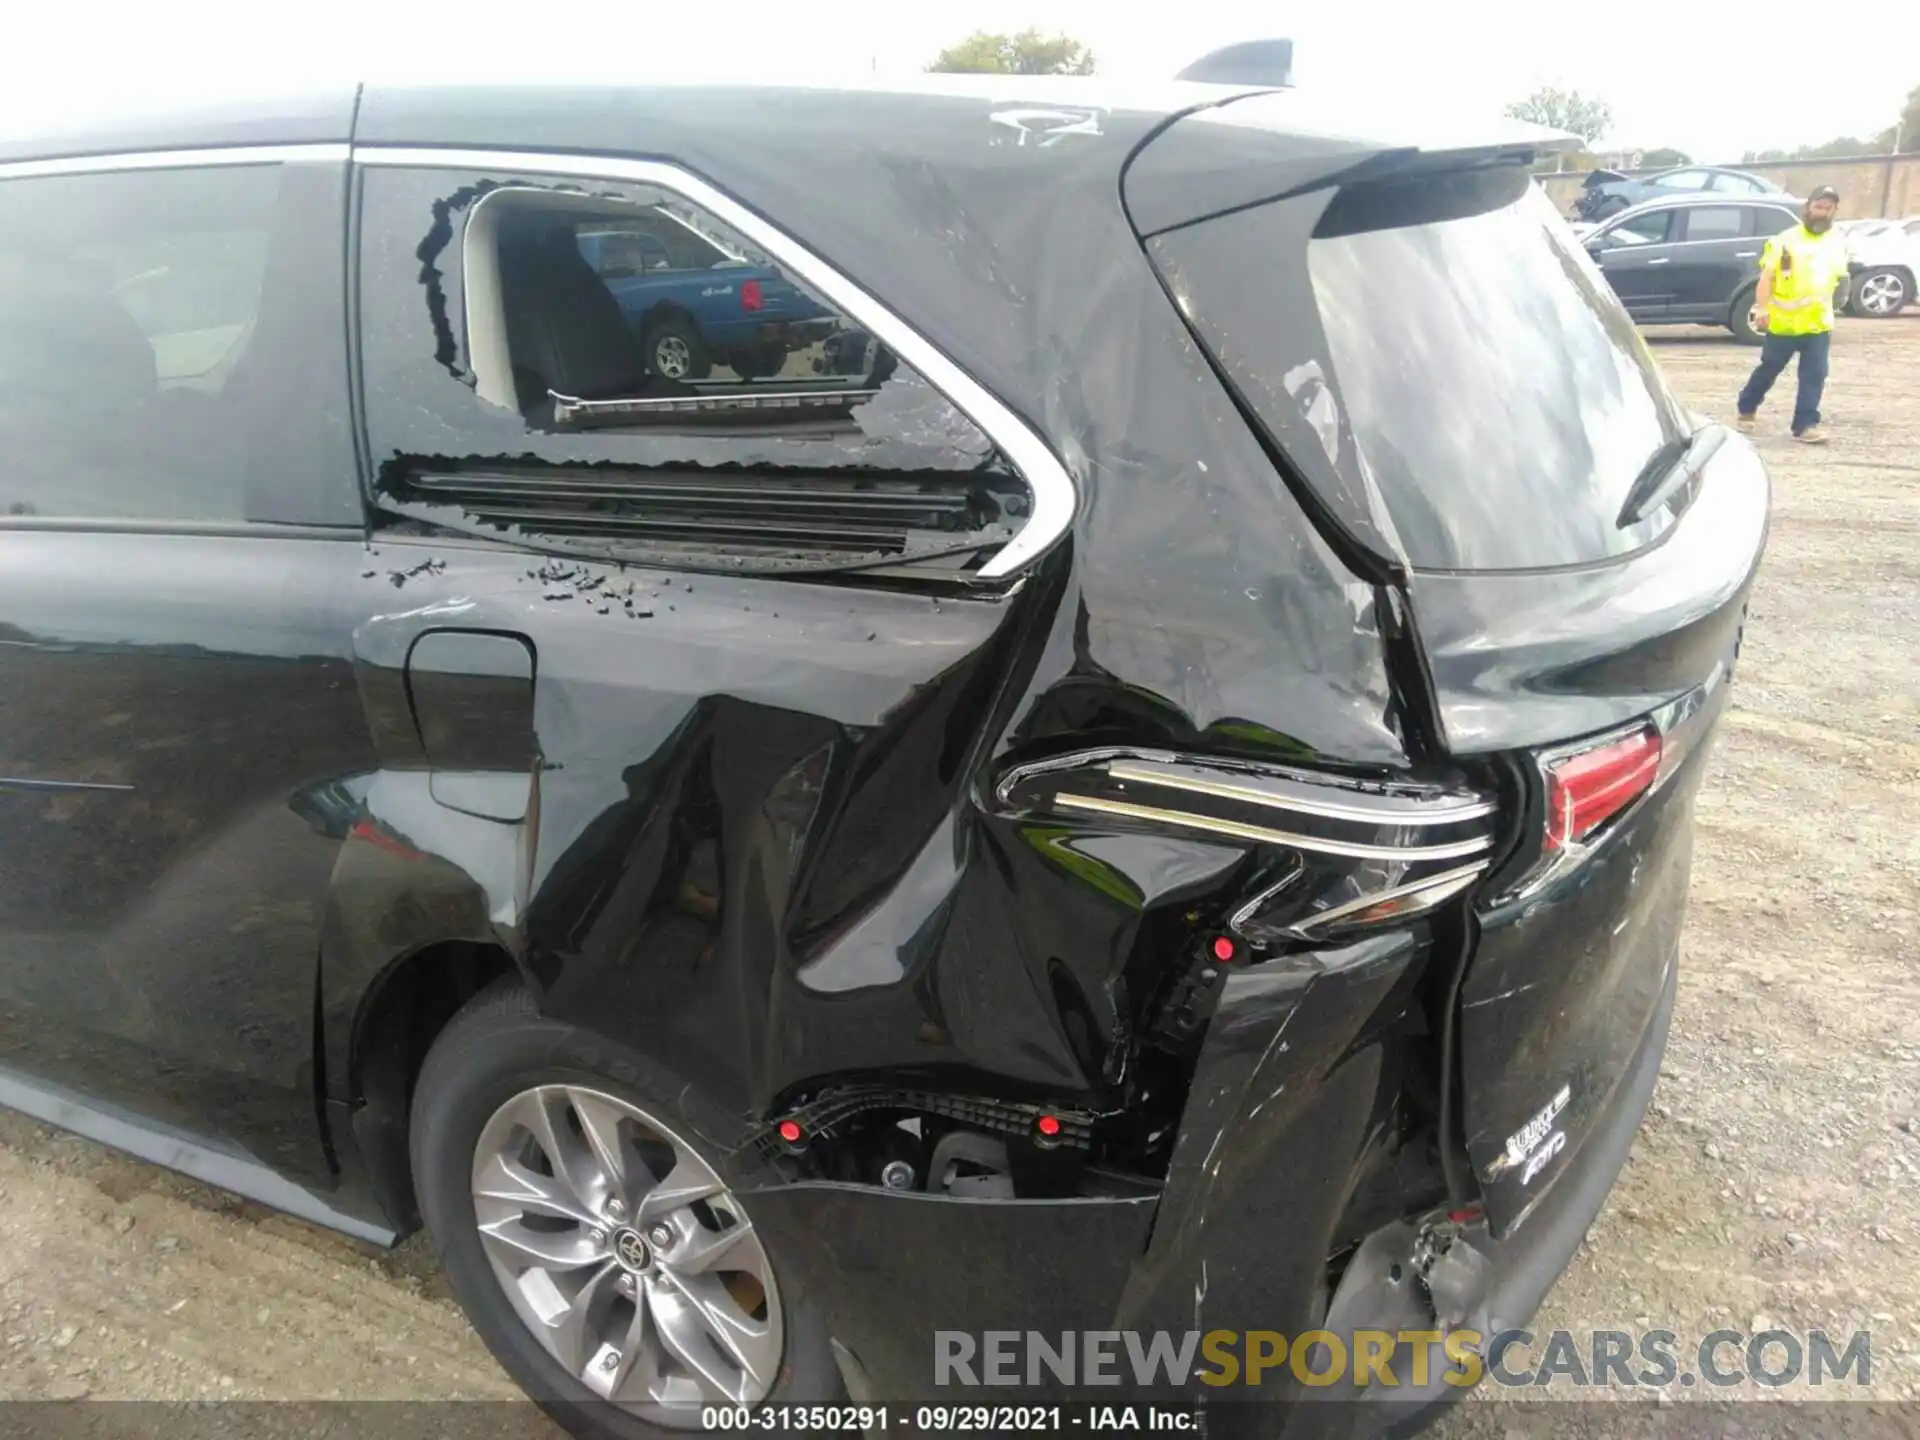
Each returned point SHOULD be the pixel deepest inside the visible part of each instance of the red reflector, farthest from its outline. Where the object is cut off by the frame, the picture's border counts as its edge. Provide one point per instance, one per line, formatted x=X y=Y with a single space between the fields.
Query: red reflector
x=750 y=296
x=1222 y=949
x=1584 y=790
x=790 y=1131
x=1048 y=1125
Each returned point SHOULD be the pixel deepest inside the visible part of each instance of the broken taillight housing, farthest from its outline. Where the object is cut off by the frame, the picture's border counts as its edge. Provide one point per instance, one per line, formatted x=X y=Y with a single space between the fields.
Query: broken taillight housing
x=1589 y=787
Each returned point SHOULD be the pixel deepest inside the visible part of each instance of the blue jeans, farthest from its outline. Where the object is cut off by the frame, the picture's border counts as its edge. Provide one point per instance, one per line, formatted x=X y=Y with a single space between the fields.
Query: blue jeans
x=1775 y=351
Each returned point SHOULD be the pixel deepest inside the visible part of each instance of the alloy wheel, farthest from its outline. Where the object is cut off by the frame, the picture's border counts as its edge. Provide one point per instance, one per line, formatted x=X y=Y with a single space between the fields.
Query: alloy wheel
x=1882 y=294
x=625 y=1255
x=672 y=357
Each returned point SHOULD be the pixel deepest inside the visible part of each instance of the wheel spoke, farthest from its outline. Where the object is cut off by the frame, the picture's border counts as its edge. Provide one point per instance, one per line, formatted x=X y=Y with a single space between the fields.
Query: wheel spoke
x=638 y=1369
x=512 y=1184
x=738 y=1338
x=520 y=1245
x=600 y=1123
x=574 y=1338
x=700 y=1249
x=687 y=1335
x=543 y=1113
x=689 y=1181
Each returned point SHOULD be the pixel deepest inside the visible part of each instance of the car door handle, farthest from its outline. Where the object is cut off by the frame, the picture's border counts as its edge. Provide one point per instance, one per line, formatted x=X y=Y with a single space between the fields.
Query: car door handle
x=1659 y=260
x=1745 y=254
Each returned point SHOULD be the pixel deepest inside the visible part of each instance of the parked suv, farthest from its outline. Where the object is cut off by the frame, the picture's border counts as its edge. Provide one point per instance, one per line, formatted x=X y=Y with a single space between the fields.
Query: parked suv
x=1161 y=802
x=1692 y=260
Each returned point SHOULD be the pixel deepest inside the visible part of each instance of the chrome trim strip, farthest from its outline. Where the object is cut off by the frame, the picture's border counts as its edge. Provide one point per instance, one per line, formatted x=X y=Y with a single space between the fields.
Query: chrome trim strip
x=572 y=407
x=174 y=160
x=14 y=782
x=1318 y=845
x=1054 y=498
x=1106 y=754
x=1259 y=902
x=1444 y=886
x=1326 y=810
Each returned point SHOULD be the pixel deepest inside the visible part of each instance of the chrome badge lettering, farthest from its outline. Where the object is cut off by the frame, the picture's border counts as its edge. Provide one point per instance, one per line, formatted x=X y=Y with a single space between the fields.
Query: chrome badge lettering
x=1556 y=1142
x=1527 y=1139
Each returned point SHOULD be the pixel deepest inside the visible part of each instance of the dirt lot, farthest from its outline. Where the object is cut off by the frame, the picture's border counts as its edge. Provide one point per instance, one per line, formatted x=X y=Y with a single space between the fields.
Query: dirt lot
x=1777 y=1181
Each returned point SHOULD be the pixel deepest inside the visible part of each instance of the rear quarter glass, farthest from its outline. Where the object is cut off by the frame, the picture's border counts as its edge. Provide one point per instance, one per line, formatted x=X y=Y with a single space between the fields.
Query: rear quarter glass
x=1463 y=389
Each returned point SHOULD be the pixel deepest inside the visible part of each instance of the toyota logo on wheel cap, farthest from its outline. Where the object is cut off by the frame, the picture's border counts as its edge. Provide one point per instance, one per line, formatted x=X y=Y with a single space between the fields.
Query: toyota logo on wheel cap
x=631 y=1248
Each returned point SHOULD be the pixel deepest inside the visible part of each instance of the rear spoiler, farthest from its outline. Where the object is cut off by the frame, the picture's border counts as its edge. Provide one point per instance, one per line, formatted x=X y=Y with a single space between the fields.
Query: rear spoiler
x=1254 y=148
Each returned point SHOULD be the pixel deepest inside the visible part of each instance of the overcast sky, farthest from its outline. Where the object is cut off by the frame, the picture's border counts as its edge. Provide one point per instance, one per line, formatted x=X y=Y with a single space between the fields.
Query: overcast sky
x=1712 y=79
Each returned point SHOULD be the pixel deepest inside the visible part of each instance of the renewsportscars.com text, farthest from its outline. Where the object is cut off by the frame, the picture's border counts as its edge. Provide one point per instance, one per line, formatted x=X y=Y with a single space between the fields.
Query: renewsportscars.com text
x=1594 y=1359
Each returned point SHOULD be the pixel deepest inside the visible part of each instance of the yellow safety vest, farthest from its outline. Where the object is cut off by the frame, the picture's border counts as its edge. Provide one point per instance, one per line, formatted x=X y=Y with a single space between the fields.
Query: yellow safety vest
x=1807 y=268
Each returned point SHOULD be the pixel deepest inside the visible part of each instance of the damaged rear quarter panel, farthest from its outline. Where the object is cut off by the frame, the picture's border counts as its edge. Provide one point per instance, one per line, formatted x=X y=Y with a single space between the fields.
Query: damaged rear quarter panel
x=759 y=846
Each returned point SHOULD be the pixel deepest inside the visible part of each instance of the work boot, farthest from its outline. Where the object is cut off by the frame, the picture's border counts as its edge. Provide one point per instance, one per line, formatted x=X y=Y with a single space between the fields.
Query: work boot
x=1812 y=435
x=1744 y=424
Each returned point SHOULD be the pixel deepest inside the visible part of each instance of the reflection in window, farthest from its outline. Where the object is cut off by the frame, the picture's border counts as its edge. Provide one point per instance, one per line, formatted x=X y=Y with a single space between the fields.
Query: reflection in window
x=128 y=306
x=1716 y=222
x=614 y=373
x=588 y=313
x=1643 y=229
x=1499 y=396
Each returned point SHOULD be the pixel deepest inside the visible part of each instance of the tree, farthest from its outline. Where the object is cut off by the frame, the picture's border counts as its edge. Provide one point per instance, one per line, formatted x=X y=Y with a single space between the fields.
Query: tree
x=1028 y=53
x=1585 y=116
x=1665 y=158
x=1845 y=147
x=1906 y=130
x=1903 y=136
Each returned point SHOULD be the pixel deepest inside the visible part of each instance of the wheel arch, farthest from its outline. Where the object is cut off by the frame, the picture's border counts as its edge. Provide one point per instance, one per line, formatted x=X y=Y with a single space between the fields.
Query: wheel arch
x=662 y=310
x=400 y=1015
x=1742 y=297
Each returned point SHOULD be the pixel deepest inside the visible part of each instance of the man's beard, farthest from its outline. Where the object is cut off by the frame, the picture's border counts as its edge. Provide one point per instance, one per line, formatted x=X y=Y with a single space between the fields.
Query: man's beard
x=1818 y=224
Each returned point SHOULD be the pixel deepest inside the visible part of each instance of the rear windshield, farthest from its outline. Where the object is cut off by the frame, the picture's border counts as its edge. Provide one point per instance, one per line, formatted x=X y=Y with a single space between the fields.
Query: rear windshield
x=1499 y=402
x=1498 y=394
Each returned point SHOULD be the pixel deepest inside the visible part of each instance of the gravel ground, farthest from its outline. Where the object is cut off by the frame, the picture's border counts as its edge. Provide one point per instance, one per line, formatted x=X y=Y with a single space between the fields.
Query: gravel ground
x=1775 y=1182
x=1777 y=1179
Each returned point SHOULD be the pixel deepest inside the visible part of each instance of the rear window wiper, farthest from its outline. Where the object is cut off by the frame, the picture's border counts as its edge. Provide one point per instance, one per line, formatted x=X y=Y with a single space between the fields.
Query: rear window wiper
x=1669 y=470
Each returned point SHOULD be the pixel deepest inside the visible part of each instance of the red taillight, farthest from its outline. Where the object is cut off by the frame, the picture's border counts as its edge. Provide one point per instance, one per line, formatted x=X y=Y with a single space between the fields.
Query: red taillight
x=751 y=297
x=1584 y=790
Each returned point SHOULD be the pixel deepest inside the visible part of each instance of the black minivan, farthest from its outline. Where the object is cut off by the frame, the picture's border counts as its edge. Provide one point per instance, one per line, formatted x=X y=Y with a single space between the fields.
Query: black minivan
x=1158 y=801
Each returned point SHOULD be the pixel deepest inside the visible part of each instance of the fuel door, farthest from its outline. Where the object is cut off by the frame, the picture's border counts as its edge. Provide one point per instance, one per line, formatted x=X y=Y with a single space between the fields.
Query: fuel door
x=472 y=698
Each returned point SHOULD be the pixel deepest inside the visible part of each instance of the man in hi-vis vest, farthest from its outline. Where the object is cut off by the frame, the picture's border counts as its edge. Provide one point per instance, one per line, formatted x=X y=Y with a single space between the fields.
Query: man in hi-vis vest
x=1799 y=271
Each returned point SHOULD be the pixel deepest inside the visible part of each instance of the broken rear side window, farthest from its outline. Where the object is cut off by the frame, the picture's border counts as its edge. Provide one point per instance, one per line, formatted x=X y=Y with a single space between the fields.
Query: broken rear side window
x=600 y=367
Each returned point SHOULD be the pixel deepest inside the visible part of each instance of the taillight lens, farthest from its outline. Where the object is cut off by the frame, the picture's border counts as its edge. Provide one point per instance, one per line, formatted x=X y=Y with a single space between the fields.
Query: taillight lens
x=751 y=296
x=1587 y=789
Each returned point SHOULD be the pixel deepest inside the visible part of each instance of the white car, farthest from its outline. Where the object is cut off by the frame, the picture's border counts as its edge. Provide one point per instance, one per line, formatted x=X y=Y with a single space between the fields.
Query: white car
x=1884 y=258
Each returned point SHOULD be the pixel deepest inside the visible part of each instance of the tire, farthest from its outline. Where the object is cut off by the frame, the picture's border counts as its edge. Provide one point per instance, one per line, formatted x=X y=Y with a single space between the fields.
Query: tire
x=1880 y=293
x=1737 y=320
x=484 y=1066
x=674 y=349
